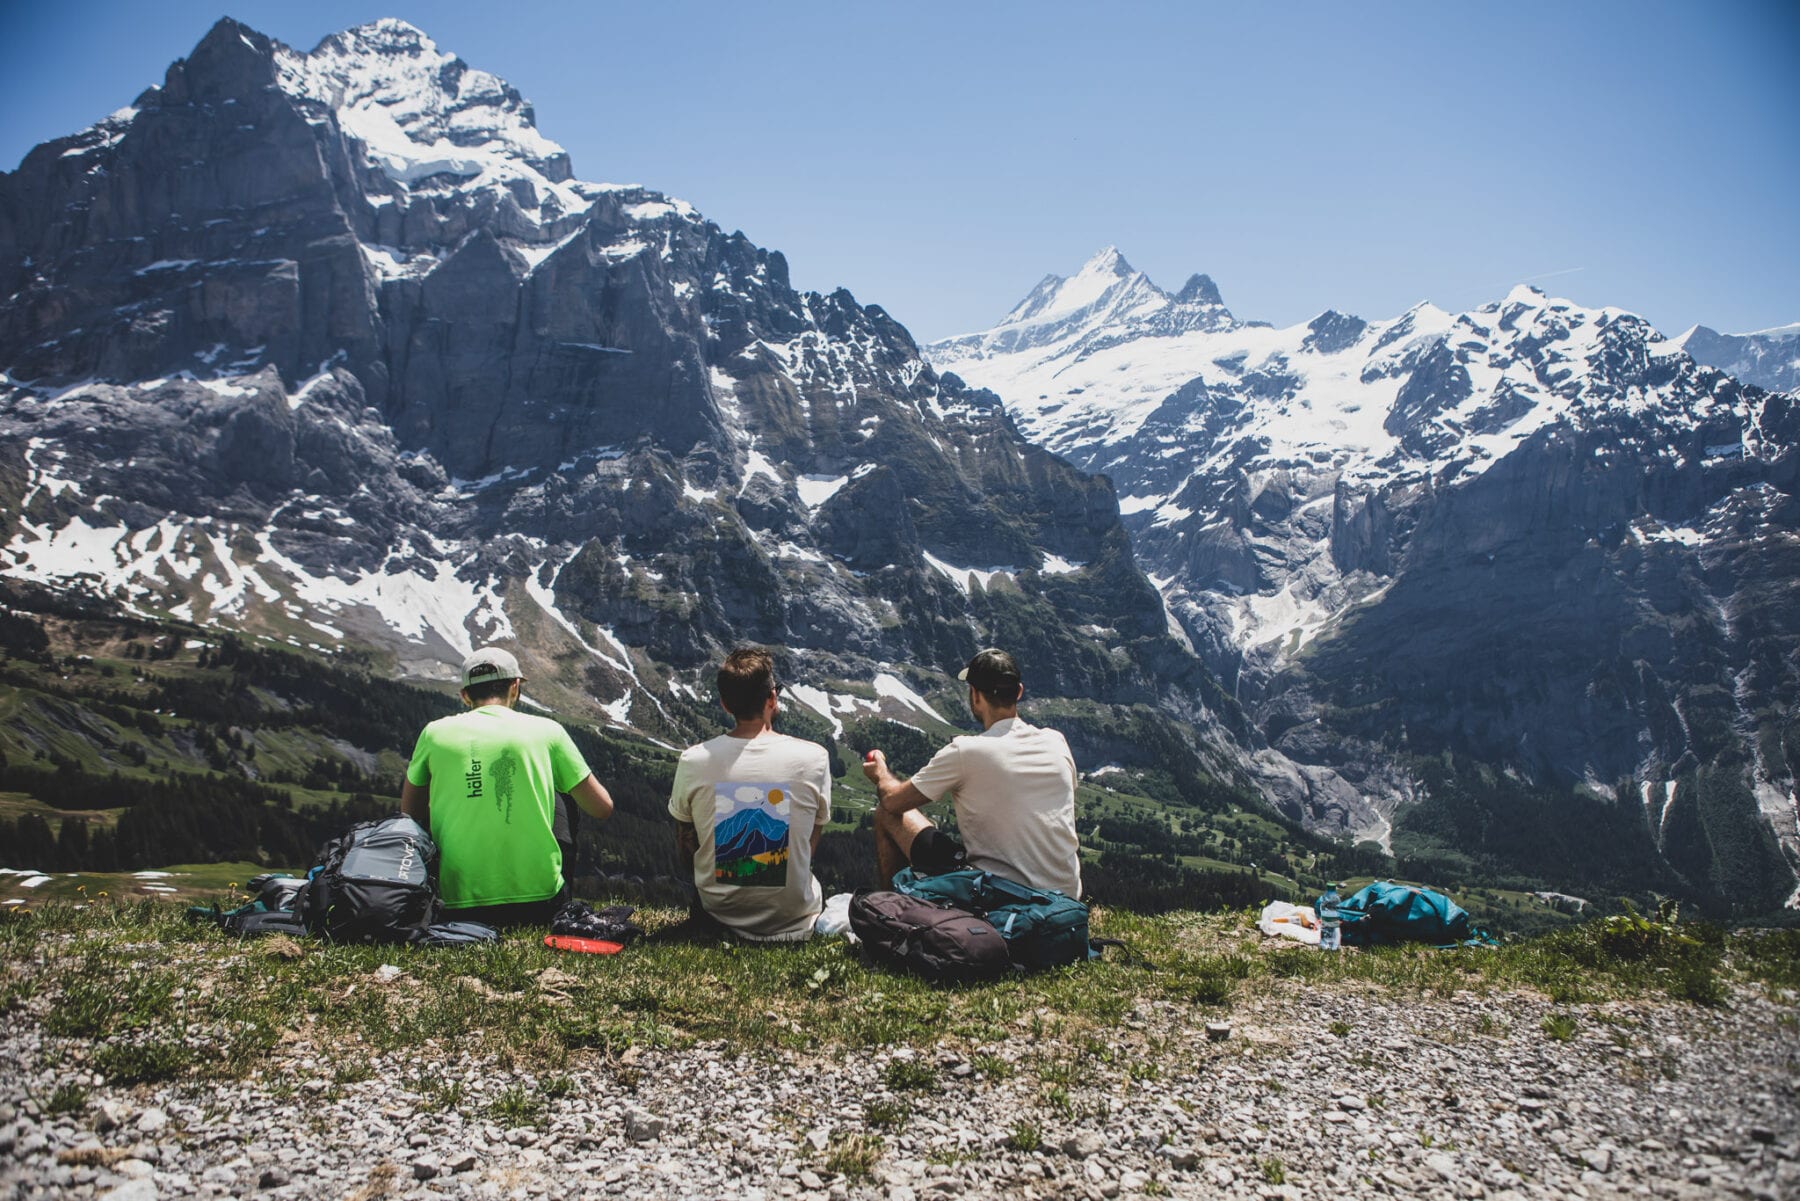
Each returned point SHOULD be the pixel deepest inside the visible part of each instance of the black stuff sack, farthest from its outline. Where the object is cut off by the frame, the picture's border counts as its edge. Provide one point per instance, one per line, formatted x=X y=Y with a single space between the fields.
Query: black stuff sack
x=934 y=941
x=459 y=934
x=275 y=891
x=377 y=883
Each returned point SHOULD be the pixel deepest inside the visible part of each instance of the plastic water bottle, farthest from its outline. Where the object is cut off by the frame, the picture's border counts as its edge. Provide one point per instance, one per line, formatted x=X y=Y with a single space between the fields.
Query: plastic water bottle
x=1329 y=922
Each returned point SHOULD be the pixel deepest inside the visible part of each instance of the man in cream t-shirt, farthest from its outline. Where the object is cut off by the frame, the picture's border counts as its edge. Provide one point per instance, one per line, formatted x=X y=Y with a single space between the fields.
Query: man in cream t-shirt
x=749 y=807
x=1014 y=789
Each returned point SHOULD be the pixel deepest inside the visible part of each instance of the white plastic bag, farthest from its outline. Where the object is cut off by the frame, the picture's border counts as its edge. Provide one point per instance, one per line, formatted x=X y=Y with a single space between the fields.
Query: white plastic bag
x=1283 y=920
x=834 y=919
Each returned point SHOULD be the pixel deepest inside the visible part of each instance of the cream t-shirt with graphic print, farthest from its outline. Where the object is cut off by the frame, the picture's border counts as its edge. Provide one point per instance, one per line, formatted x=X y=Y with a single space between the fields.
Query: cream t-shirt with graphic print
x=755 y=802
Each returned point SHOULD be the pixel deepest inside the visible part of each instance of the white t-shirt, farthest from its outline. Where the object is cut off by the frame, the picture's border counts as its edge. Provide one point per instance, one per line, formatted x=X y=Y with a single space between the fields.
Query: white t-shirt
x=755 y=803
x=1014 y=788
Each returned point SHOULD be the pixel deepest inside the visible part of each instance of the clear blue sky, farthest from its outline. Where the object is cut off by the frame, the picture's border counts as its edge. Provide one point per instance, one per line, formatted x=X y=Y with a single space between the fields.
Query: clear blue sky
x=940 y=158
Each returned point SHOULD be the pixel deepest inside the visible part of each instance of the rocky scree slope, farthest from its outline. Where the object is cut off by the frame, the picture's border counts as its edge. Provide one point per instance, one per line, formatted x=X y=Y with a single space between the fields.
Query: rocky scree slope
x=1516 y=584
x=334 y=346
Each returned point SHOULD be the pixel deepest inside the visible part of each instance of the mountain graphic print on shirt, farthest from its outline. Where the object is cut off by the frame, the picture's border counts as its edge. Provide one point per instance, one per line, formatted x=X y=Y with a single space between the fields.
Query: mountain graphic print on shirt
x=750 y=834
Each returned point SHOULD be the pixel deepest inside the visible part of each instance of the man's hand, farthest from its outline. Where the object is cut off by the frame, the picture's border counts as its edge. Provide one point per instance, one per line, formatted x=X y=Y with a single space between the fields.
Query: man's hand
x=892 y=794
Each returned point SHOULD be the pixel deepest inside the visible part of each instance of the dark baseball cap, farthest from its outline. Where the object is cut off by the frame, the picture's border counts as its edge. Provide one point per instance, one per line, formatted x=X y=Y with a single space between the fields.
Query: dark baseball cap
x=991 y=670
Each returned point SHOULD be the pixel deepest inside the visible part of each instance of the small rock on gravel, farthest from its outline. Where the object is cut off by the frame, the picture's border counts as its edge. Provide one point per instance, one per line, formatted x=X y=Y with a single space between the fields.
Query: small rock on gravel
x=1080 y=1146
x=642 y=1126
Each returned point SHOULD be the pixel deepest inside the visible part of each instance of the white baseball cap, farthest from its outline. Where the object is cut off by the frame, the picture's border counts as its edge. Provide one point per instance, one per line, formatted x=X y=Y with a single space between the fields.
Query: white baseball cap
x=488 y=664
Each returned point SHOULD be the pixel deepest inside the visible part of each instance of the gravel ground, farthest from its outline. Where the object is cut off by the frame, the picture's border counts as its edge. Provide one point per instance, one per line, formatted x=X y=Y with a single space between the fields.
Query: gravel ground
x=1463 y=1096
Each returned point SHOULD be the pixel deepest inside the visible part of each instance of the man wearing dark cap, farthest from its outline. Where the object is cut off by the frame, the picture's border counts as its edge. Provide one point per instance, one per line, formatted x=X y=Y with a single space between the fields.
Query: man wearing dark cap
x=485 y=783
x=1013 y=786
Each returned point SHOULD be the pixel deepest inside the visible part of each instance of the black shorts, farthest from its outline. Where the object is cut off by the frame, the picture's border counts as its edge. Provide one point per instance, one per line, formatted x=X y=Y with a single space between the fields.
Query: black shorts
x=519 y=913
x=935 y=852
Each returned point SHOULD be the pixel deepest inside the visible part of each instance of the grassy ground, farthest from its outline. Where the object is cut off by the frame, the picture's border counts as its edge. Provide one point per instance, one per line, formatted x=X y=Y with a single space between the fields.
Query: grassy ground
x=137 y=993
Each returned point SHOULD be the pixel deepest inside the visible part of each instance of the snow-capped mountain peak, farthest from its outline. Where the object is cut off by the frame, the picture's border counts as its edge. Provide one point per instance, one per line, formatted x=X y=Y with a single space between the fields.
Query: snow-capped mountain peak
x=1768 y=358
x=1095 y=306
x=1099 y=279
x=422 y=113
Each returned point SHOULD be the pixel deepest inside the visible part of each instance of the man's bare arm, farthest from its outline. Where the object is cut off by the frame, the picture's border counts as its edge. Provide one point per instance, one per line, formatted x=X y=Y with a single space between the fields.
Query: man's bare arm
x=894 y=795
x=415 y=802
x=687 y=844
x=593 y=798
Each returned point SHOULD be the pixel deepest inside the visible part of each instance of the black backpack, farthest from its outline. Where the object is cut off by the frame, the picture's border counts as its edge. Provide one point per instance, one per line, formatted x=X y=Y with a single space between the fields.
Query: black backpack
x=377 y=883
x=934 y=941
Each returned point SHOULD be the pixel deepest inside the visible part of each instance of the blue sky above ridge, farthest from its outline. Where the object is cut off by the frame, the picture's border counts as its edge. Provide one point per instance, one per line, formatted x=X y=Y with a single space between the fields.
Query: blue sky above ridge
x=939 y=159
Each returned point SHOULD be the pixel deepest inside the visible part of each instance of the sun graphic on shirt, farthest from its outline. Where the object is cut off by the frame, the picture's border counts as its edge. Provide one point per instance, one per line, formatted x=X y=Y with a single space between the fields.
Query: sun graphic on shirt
x=775 y=797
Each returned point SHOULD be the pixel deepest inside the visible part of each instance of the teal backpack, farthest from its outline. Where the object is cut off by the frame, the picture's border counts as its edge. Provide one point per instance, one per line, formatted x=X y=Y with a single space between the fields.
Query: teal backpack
x=1384 y=913
x=1042 y=928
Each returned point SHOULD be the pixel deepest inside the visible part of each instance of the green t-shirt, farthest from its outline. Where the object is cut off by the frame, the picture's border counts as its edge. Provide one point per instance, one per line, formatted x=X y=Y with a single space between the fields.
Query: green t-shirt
x=494 y=774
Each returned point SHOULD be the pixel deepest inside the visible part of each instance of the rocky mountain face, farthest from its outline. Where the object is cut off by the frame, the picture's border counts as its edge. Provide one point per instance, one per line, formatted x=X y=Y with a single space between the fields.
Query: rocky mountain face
x=1769 y=358
x=334 y=346
x=1517 y=584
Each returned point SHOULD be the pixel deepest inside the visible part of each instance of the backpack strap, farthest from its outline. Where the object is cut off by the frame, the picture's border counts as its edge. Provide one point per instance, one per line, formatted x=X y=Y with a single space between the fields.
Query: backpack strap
x=1097 y=947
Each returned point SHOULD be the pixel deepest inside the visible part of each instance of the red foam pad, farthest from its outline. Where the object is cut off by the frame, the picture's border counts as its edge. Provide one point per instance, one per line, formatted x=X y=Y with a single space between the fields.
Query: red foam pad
x=587 y=946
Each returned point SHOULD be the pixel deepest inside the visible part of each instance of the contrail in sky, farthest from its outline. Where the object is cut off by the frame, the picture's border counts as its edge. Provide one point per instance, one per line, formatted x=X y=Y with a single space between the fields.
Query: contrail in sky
x=1552 y=274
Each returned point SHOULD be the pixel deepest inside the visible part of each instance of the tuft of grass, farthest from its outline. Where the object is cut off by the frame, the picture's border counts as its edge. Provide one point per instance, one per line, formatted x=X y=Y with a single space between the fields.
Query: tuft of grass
x=438 y=1097
x=1560 y=1027
x=67 y=1098
x=909 y=1075
x=1058 y=1070
x=1699 y=983
x=1211 y=990
x=1272 y=1171
x=351 y=1071
x=1339 y=1028
x=1025 y=1136
x=140 y=1062
x=1770 y=957
x=555 y=1088
x=516 y=1106
x=889 y=1115
x=854 y=1157
x=98 y=1000
x=994 y=1067
x=1143 y=1069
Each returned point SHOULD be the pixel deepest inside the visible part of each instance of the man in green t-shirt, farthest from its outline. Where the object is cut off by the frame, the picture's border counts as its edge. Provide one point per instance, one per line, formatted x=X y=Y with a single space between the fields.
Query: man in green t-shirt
x=485 y=783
